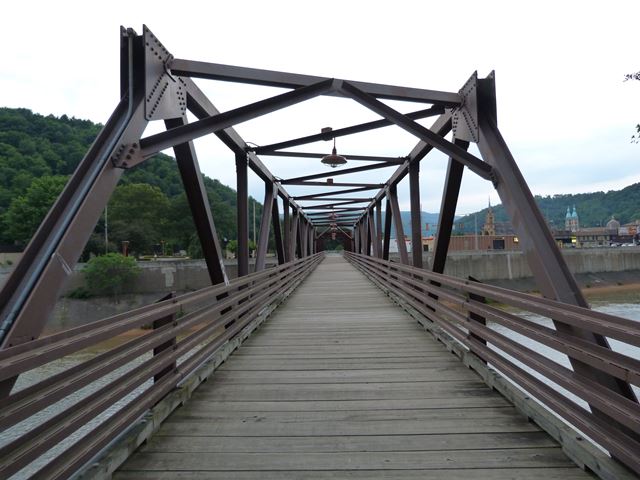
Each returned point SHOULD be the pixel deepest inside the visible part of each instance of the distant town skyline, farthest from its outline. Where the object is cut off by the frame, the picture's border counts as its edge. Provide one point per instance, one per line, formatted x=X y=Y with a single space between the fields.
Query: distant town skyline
x=563 y=107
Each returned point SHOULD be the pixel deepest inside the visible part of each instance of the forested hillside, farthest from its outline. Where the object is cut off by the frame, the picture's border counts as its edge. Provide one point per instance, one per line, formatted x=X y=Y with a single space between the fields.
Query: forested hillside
x=149 y=207
x=594 y=209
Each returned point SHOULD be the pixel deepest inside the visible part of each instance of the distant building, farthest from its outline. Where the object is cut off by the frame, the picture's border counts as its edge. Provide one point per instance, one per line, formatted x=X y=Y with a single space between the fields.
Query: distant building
x=571 y=220
x=489 y=227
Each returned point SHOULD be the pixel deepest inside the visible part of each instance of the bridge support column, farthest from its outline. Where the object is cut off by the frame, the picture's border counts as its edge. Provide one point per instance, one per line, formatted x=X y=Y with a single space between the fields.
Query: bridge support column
x=416 y=214
x=277 y=231
x=448 y=210
x=293 y=235
x=265 y=221
x=242 y=202
x=372 y=233
x=199 y=203
x=287 y=229
x=379 y=227
x=387 y=230
x=397 y=220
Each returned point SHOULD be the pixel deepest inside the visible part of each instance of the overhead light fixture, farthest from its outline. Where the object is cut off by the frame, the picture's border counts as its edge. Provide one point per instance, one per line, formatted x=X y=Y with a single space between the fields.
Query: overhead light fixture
x=334 y=160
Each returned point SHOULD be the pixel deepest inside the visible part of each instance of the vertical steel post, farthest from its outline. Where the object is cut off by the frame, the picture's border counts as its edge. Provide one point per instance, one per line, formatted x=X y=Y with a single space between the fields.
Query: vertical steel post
x=416 y=213
x=277 y=231
x=387 y=229
x=287 y=229
x=379 y=227
x=372 y=233
x=263 y=239
x=242 y=195
x=293 y=235
x=303 y=237
x=366 y=222
x=397 y=220
x=448 y=210
x=199 y=204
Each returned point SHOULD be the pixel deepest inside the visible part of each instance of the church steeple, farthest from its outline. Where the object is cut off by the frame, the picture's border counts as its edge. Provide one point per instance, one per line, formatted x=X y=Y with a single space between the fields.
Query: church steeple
x=489 y=222
x=571 y=220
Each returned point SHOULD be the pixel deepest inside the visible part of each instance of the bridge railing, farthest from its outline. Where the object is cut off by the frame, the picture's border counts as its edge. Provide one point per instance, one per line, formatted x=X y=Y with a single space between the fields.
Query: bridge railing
x=520 y=348
x=90 y=403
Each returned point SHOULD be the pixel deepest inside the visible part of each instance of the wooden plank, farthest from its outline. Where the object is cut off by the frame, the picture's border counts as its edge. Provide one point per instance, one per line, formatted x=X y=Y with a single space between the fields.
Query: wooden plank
x=340 y=383
x=342 y=376
x=555 y=473
x=248 y=427
x=258 y=363
x=356 y=391
x=449 y=459
x=346 y=443
x=195 y=414
x=349 y=405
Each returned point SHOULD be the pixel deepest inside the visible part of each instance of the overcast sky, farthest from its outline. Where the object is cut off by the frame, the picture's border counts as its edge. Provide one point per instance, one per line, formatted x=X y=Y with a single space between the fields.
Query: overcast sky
x=563 y=107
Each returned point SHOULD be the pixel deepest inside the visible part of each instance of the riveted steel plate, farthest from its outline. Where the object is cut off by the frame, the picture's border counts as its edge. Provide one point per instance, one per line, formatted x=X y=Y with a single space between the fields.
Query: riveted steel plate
x=165 y=94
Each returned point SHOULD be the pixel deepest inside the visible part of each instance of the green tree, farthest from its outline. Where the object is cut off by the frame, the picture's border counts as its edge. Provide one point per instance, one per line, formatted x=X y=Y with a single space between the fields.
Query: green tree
x=109 y=274
x=27 y=211
x=138 y=213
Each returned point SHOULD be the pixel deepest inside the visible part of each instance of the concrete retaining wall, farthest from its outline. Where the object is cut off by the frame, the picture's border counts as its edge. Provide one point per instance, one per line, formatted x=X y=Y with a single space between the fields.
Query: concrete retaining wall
x=504 y=265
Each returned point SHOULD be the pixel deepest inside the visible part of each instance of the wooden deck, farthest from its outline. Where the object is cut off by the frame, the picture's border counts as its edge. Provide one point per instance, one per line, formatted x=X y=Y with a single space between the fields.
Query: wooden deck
x=341 y=383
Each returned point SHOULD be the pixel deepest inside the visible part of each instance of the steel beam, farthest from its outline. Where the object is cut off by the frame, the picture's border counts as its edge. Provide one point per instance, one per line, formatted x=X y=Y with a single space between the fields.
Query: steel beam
x=160 y=141
x=378 y=207
x=416 y=214
x=346 y=171
x=314 y=196
x=448 y=210
x=358 y=158
x=199 y=204
x=545 y=260
x=30 y=292
x=294 y=234
x=387 y=231
x=392 y=195
x=372 y=234
x=337 y=210
x=303 y=238
x=270 y=78
x=369 y=186
x=277 y=231
x=337 y=203
x=287 y=229
x=242 y=196
x=473 y=163
x=442 y=126
x=263 y=238
x=201 y=107
x=341 y=132
x=336 y=199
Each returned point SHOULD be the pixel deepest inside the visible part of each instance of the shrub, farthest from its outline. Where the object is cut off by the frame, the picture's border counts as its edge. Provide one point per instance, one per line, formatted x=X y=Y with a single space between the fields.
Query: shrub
x=109 y=274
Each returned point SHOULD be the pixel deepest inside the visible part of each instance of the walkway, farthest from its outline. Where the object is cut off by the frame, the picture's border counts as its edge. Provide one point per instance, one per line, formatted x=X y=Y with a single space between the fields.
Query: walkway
x=341 y=383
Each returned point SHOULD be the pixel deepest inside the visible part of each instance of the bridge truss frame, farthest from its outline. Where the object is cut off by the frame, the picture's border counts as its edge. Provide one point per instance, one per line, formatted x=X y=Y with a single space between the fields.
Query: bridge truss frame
x=155 y=86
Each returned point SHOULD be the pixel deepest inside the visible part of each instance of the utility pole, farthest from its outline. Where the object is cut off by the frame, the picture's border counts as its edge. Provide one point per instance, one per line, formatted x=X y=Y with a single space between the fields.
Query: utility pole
x=254 y=221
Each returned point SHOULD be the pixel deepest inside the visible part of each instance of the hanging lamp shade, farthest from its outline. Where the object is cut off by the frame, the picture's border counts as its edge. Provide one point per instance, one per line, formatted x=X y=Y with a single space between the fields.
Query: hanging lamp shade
x=334 y=160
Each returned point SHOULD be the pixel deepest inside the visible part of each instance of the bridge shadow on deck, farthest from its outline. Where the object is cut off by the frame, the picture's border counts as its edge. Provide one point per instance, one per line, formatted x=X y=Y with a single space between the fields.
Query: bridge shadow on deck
x=341 y=383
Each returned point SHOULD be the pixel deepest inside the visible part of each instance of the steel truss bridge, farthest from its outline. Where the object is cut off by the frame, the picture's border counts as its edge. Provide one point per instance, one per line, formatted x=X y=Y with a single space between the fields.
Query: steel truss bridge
x=337 y=381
